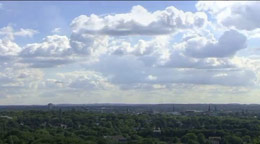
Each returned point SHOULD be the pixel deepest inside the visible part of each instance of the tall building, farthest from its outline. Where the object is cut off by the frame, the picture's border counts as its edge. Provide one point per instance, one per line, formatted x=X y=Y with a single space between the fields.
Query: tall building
x=215 y=109
x=50 y=106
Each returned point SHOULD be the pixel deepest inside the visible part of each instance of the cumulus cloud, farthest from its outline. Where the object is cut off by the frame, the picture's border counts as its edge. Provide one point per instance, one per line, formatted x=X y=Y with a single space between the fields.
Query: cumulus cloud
x=18 y=82
x=8 y=47
x=129 y=72
x=10 y=33
x=241 y=15
x=53 y=51
x=87 y=80
x=228 y=77
x=195 y=51
x=46 y=62
x=228 y=44
x=127 y=69
x=180 y=60
x=151 y=77
x=25 y=32
x=91 y=35
x=54 y=45
x=152 y=52
x=56 y=30
x=163 y=50
x=52 y=84
x=141 y=63
x=90 y=45
x=13 y=77
x=139 y=22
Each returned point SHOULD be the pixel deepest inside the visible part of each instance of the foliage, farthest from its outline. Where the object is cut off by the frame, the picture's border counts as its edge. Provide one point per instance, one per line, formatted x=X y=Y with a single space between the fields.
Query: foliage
x=81 y=127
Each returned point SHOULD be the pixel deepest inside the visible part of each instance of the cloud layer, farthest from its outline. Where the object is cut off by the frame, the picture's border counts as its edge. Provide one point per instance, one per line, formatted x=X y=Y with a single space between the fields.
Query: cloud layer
x=242 y=15
x=139 y=21
x=136 y=53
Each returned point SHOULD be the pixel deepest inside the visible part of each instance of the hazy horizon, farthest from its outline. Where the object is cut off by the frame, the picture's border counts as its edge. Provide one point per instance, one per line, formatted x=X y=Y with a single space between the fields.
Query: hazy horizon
x=129 y=52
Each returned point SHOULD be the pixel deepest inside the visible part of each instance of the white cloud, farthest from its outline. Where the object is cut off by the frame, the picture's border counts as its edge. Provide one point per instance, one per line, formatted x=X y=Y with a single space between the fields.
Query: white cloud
x=54 y=45
x=52 y=84
x=95 y=35
x=195 y=51
x=53 y=51
x=8 y=47
x=18 y=82
x=46 y=62
x=253 y=34
x=25 y=32
x=20 y=78
x=152 y=52
x=179 y=60
x=56 y=30
x=139 y=22
x=87 y=80
x=151 y=77
x=91 y=45
x=160 y=54
x=10 y=33
x=241 y=15
x=249 y=63
x=128 y=72
x=228 y=44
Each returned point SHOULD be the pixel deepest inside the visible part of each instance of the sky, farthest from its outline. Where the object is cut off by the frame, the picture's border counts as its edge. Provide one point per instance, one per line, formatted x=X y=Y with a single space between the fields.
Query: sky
x=86 y=52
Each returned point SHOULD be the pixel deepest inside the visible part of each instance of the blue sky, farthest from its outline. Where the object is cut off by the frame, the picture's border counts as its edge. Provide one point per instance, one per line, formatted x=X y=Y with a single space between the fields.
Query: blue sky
x=129 y=52
x=46 y=16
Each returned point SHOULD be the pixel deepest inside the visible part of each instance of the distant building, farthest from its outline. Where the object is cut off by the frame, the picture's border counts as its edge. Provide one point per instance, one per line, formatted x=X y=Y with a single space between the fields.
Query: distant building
x=174 y=113
x=117 y=138
x=127 y=110
x=63 y=126
x=7 y=117
x=215 y=109
x=157 y=130
x=214 y=140
x=192 y=112
x=155 y=112
x=50 y=106
x=44 y=124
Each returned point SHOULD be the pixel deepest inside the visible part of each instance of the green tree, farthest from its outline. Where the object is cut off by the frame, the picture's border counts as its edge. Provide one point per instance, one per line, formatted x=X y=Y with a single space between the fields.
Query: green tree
x=189 y=136
x=201 y=138
x=232 y=140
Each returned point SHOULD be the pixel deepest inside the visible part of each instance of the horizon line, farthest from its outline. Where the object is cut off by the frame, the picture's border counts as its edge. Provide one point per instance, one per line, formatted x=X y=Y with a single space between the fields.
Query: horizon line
x=130 y=104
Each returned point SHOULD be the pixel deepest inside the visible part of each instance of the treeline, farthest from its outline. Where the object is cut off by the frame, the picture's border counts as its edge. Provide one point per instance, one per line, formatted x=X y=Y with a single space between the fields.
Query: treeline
x=78 y=127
